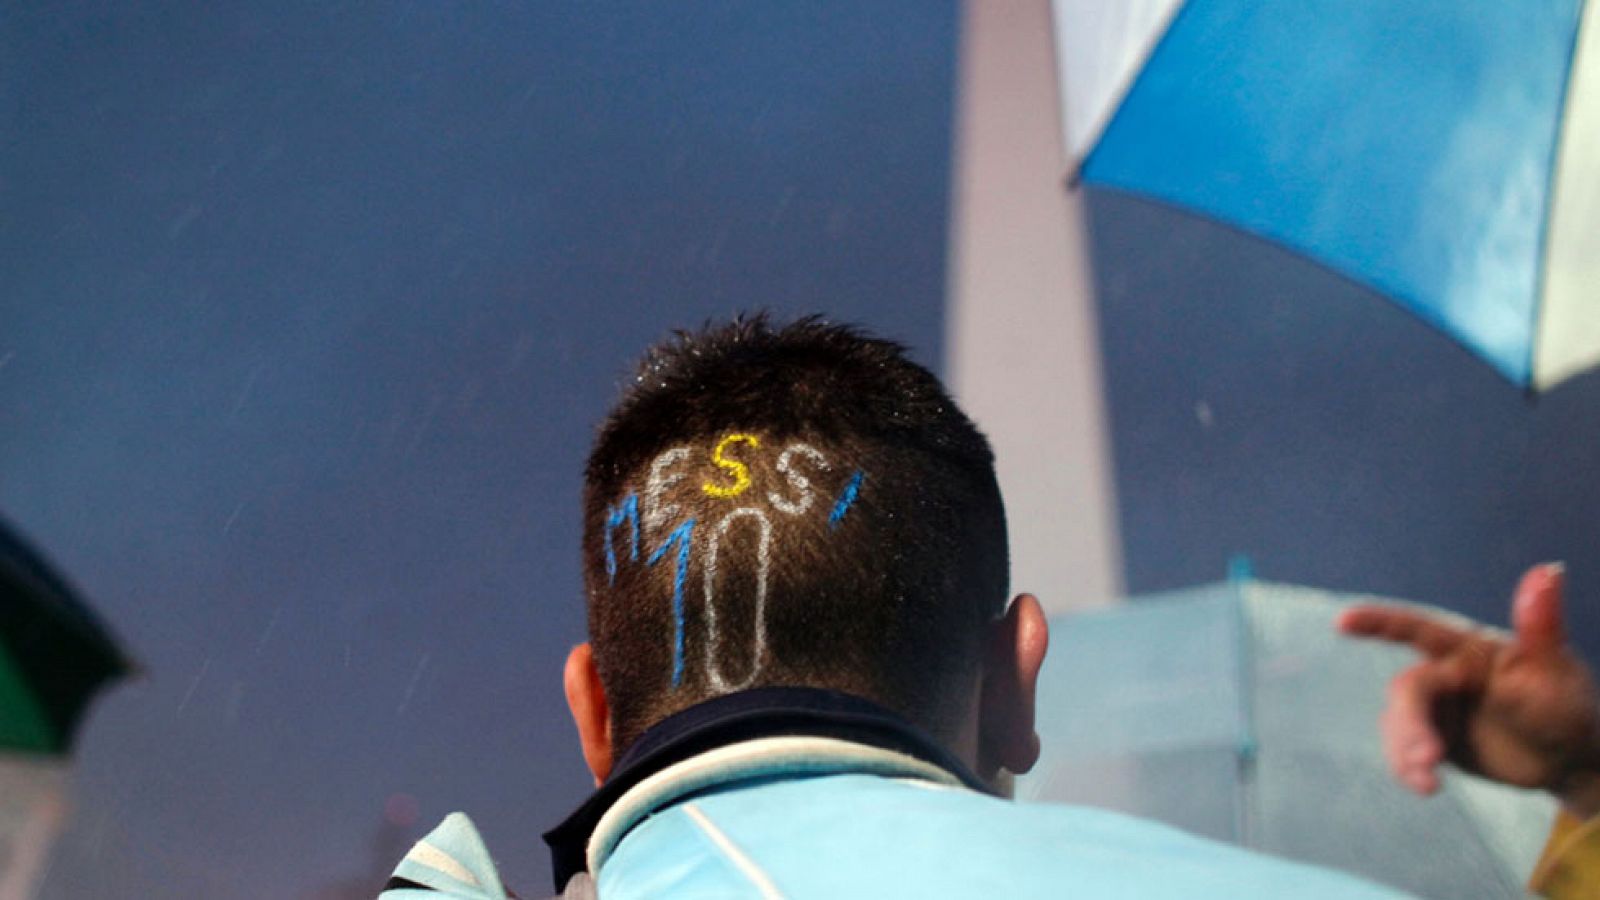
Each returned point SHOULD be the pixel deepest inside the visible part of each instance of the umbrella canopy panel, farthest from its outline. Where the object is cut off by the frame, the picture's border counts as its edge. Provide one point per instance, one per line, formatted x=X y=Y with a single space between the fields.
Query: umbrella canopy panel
x=1569 y=329
x=24 y=723
x=1236 y=711
x=1416 y=147
x=1142 y=710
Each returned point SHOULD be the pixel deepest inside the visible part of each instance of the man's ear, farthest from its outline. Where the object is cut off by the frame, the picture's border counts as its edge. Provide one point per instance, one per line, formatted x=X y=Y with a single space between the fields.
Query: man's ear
x=1014 y=652
x=586 y=697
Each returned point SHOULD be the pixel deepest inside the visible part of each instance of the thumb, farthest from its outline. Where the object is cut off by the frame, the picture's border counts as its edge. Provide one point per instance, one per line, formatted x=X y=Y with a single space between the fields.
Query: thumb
x=1536 y=609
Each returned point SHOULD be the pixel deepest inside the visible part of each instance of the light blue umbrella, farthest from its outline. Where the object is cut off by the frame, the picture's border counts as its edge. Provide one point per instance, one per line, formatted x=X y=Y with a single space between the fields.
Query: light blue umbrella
x=1237 y=712
x=1443 y=152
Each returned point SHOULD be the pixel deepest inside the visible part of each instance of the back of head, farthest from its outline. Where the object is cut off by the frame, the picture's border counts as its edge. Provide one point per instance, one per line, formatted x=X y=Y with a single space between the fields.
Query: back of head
x=797 y=505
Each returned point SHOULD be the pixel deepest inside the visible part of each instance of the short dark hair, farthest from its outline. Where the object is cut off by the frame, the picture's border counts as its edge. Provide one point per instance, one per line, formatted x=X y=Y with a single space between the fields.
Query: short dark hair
x=795 y=505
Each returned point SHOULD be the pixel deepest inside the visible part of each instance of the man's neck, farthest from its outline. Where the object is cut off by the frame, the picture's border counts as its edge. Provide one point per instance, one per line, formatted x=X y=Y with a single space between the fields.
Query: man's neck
x=740 y=717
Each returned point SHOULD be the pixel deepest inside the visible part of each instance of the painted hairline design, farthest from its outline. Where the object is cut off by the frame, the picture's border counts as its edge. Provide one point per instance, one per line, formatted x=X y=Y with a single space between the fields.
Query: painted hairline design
x=846 y=499
x=653 y=512
x=739 y=471
x=763 y=565
x=796 y=478
x=683 y=536
x=627 y=511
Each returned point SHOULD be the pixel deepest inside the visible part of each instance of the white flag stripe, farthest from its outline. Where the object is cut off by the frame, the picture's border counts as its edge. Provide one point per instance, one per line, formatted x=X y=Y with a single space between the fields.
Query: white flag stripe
x=428 y=855
x=747 y=866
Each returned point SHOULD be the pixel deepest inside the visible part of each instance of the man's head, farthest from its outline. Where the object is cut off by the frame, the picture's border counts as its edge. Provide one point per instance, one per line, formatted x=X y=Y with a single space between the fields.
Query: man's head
x=797 y=505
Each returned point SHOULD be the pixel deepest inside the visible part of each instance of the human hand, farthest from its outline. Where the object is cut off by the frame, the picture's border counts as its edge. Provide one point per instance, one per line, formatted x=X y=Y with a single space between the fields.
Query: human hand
x=1521 y=709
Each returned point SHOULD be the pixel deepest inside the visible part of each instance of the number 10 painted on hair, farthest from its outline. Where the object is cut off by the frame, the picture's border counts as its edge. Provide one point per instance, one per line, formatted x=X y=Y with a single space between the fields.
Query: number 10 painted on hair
x=651 y=511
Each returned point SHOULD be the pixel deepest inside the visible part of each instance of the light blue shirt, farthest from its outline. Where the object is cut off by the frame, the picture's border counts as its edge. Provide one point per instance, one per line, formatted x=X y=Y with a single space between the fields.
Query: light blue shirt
x=800 y=817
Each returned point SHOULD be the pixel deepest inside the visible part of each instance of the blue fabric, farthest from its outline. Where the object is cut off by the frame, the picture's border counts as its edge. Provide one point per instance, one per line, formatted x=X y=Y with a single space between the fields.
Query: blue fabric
x=1408 y=145
x=455 y=840
x=674 y=821
x=731 y=719
x=867 y=836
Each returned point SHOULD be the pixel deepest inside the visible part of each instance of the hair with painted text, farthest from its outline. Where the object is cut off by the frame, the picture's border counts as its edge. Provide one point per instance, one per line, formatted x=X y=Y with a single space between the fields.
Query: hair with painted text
x=794 y=505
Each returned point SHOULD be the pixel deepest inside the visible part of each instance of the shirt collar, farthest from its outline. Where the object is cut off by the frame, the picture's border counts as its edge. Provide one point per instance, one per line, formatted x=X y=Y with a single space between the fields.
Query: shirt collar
x=736 y=718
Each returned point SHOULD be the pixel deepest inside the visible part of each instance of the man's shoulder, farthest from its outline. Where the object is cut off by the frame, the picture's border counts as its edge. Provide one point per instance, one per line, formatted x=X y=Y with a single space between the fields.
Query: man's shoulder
x=451 y=861
x=863 y=835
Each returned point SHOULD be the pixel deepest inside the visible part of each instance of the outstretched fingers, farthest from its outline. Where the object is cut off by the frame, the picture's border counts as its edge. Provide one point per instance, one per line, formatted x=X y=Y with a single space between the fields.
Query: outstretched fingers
x=1412 y=743
x=1536 y=609
x=1402 y=626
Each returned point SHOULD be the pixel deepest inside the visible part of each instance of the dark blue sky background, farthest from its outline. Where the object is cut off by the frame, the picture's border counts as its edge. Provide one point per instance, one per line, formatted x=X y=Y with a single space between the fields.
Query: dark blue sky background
x=1262 y=405
x=307 y=311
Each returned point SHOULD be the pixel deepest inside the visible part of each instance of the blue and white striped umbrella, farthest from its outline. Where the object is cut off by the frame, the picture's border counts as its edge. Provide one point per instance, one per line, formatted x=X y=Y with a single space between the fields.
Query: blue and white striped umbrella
x=1443 y=152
